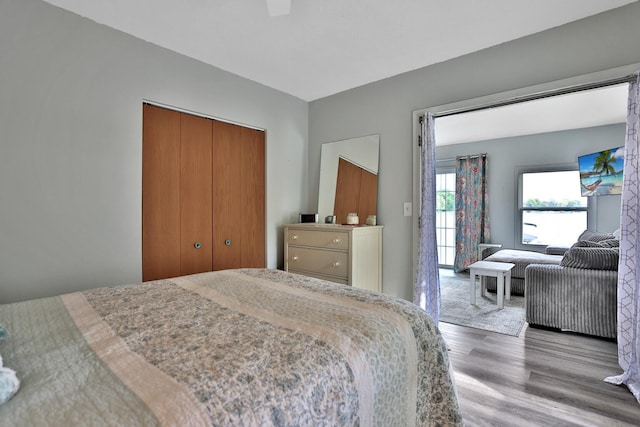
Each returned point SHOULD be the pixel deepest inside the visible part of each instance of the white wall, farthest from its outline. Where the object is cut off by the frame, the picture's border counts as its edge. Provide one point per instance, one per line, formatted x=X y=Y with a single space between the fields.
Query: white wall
x=71 y=94
x=602 y=42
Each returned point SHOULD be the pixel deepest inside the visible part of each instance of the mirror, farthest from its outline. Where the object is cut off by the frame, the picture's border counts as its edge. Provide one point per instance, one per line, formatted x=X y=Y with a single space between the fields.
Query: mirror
x=349 y=178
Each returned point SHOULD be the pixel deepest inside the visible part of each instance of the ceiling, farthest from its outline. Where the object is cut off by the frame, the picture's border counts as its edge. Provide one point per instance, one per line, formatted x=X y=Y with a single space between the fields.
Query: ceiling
x=322 y=47
x=589 y=108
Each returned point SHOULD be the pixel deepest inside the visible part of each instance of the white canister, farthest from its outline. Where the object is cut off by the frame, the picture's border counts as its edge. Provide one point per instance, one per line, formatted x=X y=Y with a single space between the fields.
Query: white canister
x=352 y=219
x=371 y=220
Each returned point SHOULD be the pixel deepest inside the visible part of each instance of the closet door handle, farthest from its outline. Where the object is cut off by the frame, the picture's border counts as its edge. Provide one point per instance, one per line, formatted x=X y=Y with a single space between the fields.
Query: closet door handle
x=197 y=245
x=227 y=242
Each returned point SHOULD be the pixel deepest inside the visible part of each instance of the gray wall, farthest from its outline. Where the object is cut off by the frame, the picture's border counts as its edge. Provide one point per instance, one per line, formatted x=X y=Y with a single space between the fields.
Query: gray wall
x=602 y=42
x=506 y=156
x=71 y=123
x=71 y=94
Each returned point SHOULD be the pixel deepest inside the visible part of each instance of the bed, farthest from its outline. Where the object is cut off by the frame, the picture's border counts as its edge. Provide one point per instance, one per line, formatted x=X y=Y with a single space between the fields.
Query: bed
x=246 y=347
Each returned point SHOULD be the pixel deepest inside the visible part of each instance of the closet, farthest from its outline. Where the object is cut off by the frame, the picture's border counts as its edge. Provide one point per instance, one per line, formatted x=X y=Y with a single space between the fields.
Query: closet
x=203 y=194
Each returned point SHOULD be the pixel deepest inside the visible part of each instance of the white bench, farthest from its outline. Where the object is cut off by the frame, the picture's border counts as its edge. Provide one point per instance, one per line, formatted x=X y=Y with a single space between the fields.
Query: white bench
x=500 y=270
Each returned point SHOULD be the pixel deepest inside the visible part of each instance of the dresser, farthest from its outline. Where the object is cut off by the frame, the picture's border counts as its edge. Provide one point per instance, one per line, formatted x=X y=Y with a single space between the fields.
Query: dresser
x=351 y=255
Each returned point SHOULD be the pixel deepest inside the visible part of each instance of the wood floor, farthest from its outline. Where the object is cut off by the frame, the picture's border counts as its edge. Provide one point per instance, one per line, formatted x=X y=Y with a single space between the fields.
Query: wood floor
x=541 y=378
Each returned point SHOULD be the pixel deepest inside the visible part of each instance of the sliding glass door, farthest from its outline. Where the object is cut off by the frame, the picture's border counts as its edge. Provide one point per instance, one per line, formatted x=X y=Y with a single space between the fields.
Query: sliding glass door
x=445 y=217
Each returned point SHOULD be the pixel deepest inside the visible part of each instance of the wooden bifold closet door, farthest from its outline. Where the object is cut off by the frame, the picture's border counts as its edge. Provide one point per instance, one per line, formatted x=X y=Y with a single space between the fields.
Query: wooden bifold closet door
x=238 y=201
x=202 y=195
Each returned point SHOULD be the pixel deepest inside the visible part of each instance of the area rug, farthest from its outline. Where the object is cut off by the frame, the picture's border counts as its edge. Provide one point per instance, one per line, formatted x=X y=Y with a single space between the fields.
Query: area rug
x=484 y=314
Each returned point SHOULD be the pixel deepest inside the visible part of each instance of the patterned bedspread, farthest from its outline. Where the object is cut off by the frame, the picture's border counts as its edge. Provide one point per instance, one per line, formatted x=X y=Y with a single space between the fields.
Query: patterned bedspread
x=250 y=347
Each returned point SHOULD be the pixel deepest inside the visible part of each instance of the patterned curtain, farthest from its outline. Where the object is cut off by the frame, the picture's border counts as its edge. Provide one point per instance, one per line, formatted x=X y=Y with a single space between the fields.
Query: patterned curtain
x=472 y=209
x=628 y=278
x=427 y=287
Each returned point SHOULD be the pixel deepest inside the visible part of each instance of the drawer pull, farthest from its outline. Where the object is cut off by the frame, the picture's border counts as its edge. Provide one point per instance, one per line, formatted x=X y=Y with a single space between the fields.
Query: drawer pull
x=294 y=258
x=336 y=240
x=336 y=264
x=294 y=237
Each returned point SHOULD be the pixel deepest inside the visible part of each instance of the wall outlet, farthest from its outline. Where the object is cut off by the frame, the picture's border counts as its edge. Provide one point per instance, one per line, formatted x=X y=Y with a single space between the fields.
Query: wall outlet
x=408 y=208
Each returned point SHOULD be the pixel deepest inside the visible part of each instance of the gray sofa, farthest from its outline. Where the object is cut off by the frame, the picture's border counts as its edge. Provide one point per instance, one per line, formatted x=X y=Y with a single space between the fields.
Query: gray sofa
x=580 y=300
x=579 y=294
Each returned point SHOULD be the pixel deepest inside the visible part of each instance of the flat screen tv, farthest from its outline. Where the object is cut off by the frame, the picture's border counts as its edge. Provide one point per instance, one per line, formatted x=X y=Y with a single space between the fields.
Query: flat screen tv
x=601 y=172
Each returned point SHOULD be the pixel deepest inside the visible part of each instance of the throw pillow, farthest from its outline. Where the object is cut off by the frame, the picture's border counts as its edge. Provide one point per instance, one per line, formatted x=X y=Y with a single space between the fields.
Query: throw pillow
x=616 y=234
x=9 y=384
x=587 y=244
x=595 y=236
x=591 y=258
x=610 y=243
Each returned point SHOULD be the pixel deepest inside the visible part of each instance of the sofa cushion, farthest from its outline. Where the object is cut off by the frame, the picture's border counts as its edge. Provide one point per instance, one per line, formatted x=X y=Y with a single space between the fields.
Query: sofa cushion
x=522 y=259
x=595 y=258
x=555 y=250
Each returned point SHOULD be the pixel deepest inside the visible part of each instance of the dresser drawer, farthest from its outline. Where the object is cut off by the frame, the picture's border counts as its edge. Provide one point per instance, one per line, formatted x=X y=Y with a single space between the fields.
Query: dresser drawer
x=334 y=279
x=319 y=261
x=320 y=239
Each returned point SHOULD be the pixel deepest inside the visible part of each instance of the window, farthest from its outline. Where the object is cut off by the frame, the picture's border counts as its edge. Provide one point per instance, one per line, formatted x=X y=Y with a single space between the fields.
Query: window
x=552 y=210
x=445 y=217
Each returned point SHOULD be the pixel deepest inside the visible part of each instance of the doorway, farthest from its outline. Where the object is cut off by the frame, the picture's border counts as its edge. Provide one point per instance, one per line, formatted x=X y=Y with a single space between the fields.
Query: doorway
x=507 y=183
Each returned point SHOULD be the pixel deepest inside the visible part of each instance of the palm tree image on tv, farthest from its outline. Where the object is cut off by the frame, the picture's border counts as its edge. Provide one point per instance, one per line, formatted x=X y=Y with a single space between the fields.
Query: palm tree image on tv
x=601 y=172
x=604 y=163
